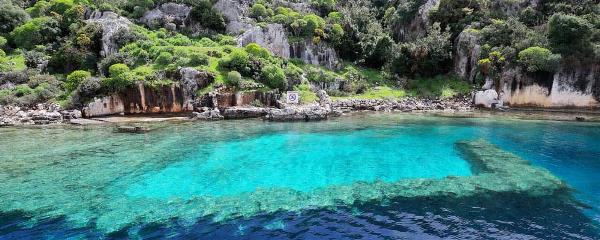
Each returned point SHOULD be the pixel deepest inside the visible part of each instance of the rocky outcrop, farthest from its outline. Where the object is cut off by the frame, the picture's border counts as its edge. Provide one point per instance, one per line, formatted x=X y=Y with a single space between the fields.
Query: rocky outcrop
x=316 y=54
x=208 y=114
x=568 y=87
x=311 y=112
x=272 y=37
x=112 y=25
x=407 y=104
x=244 y=112
x=467 y=54
x=236 y=13
x=417 y=27
x=42 y=114
x=167 y=14
x=225 y=98
x=191 y=80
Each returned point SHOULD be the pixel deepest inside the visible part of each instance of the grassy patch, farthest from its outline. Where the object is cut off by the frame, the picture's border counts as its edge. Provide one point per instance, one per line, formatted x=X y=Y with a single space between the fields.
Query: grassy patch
x=440 y=86
x=382 y=92
x=306 y=95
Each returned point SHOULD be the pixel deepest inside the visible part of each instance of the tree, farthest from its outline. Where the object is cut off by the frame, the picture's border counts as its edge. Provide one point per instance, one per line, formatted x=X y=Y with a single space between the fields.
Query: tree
x=204 y=14
x=11 y=16
x=569 y=34
x=537 y=59
x=258 y=11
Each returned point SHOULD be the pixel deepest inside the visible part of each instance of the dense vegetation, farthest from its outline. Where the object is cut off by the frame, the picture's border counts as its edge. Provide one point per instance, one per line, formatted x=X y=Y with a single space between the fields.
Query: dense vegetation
x=50 y=52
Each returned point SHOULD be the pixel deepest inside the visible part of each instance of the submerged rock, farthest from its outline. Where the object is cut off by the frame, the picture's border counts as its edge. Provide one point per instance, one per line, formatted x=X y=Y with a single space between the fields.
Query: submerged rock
x=132 y=129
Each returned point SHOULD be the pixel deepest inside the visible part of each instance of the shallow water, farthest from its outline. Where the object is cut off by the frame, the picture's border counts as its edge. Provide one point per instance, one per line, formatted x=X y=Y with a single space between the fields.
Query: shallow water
x=76 y=181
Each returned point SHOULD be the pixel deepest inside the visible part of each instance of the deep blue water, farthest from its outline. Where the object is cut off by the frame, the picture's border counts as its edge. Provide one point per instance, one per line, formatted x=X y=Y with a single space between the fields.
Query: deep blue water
x=570 y=150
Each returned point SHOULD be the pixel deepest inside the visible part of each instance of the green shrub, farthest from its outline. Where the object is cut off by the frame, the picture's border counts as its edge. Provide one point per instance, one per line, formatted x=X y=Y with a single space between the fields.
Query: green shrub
x=313 y=22
x=39 y=9
x=537 y=59
x=3 y=42
x=273 y=76
x=258 y=11
x=2 y=53
x=198 y=59
x=22 y=90
x=238 y=60
x=164 y=59
x=293 y=75
x=258 y=51
x=76 y=78
x=569 y=34
x=234 y=78
x=37 y=31
x=120 y=78
x=226 y=40
x=117 y=70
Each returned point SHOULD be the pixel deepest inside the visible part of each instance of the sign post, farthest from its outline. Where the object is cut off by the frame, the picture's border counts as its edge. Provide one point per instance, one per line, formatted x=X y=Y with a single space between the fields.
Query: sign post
x=293 y=97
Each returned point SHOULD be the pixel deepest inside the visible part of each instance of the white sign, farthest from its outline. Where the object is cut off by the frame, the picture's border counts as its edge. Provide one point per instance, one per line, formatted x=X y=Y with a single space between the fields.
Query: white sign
x=293 y=97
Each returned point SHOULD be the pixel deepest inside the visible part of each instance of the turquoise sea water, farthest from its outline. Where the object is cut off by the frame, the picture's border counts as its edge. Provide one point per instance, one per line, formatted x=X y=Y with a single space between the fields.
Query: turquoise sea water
x=301 y=161
x=89 y=181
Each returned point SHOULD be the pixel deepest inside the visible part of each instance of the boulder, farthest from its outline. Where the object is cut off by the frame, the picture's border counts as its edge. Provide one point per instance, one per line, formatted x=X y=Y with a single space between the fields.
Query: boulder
x=208 y=115
x=234 y=11
x=71 y=114
x=272 y=37
x=302 y=113
x=111 y=24
x=488 y=99
x=167 y=14
x=191 y=81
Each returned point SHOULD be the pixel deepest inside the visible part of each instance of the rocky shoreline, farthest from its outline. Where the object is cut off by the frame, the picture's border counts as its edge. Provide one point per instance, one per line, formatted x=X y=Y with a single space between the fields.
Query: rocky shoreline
x=326 y=108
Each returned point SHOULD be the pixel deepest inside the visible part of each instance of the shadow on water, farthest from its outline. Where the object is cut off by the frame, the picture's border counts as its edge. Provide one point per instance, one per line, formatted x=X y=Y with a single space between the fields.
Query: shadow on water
x=496 y=216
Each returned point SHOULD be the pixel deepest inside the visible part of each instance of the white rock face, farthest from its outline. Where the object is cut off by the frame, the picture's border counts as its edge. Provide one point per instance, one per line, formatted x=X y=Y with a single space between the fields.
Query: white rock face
x=111 y=24
x=487 y=99
x=165 y=14
x=467 y=54
x=234 y=11
x=104 y=106
x=316 y=54
x=565 y=88
x=273 y=37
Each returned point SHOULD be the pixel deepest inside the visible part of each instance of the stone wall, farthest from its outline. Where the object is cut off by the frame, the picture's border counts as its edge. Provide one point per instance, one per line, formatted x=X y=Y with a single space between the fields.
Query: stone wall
x=139 y=99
